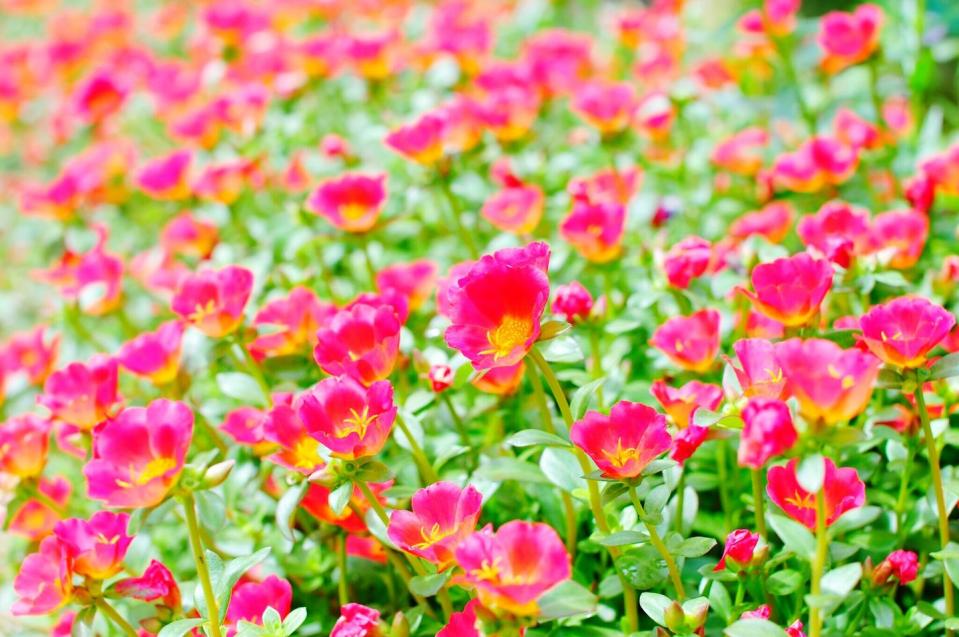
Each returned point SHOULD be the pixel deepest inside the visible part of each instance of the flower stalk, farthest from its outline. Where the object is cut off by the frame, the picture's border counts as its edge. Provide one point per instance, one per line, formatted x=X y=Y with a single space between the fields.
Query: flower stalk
x=202 y=571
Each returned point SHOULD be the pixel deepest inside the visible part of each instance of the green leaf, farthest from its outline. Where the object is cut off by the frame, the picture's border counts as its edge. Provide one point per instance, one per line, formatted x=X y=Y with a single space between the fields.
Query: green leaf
x=561 y=468
x=582 y=396
x=563 y=349
x=240 y=386
x=784 y=582
x=623 y=538
x=843 y=338
x=841 y=580
x=945 y=367
x=889 y=378
x=695 y=546
x=286 y=509
x=373 y=471
x=339 y=497
x=229 y=574
x=795 y=536
x=179 y=628
x=643 y=567
x=654 y=605
x=429 y=585
x=534 y=437
x=565 y=600
x=294 y=620
x=506 y=468
x=551 y=329
x=754 y=628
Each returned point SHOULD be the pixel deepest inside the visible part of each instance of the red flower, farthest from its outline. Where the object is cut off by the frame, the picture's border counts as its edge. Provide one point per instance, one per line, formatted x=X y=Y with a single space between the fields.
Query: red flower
x=768 y=431
x=759 y=373
x=157 y=584
x=849 y=38
x=623 y=443
x=690 y=342
x=903 y=331
x=687 y=260
x=842 y=490
x=493 y=329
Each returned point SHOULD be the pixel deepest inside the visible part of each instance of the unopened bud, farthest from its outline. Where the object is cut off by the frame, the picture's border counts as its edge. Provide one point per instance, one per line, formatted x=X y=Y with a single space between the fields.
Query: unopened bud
x=215 y=475
x=400 y=627
x=674 y=617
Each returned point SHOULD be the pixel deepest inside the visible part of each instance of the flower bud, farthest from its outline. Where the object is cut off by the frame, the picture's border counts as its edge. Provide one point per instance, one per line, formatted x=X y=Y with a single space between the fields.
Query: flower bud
x=217 y=474
x=441 y=377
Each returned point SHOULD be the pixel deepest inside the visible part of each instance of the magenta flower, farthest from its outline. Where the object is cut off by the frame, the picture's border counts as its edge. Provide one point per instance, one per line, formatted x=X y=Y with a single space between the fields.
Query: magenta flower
x=623 y=443
x=768 y=431
x=443 y=516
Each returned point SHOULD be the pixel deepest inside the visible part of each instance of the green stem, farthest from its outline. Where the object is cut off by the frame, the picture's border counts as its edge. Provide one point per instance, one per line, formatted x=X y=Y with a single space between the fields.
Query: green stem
x=368 y=260
x=790 y=68
x=933 y=452
x=723 y=486
x=111 y=613
x=680 y=500
x=429 y=474
x=202 y=572
x=342 y=588
x=740 y=593
x=595 y=501
x=874 y=90
x=597 y=364
x=246 y=361
x=456 y=215
x=569 y=509
x=758 y=503
x=818 y=565
x=461 y=429
x=658 y=544
x=904 y=491
x=325 y=273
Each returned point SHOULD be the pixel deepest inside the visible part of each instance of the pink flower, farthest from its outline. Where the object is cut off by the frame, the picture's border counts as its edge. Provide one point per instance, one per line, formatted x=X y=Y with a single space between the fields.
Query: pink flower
x=758 y=373
x=791 y=289
x=740 y=545
x=832 y=384
x=351 y=202
x=414 y=280
x=849 y=38
x=623 y=443
x=903 y=331
x=245 y=425
x=768 y=431
x=818 y=163
x=45 y=581
x=854 y=131
x=421 y=141
x=213 y=300
x=35 y=519
x=94 y=279
x=250 y=598
x=573 y=302
x=362 y=341
x=441 y=377
x=96 y=547
x=514 y=566
x=83 y=394
x=357 y=620
x=517 y=209
x=154 y=355
x=900 y=237
x=842 y=490
x=607 y=106
x=443 y=516
x=773 y=222
x=595 y=229
x=298 y=450
x=34 y=353
x=289 y=323
x=681 y=403
x=493 y=329
x=687 y=441
x=687 y=260
x=463 y=623
x=742 y=153
x=350 y=420
x=690 y=342
x=167 y=177
x=903 y=565
x=24 y=442
x=157 y=584
x=138 y=456
x=185 y=234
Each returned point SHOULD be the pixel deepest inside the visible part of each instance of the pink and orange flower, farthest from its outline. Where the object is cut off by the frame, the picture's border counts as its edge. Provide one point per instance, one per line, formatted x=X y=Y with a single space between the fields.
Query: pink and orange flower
x=903 y=331
x=623 y=443
x=362 y=341
x=791 y=289
x=351 y=202
x=843 y=490
x=443 y=516
x=213 y=300
x=154 y=355
x=691 y=342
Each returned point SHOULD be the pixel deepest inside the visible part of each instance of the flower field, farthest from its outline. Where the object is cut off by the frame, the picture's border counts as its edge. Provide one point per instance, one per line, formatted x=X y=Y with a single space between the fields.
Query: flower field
x=478 y=318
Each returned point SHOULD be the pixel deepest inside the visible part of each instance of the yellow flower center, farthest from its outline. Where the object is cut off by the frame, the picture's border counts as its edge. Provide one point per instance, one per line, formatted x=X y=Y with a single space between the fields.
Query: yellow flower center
x=154 y=469
x=620 y=456
x=202 y=311
x=807 y=501
x=847 y=380
x=357 y=423
x=487 y=572
x=352 y=211
x=512 y=332
x=305 y=453
x=436 y=534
